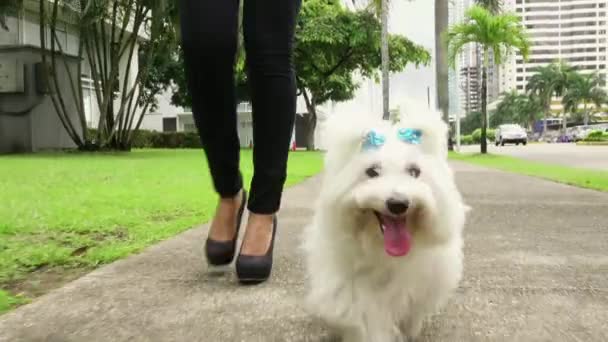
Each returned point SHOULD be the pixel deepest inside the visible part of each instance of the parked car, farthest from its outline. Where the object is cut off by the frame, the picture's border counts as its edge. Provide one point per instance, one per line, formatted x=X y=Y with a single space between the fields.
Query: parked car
x=511 y=134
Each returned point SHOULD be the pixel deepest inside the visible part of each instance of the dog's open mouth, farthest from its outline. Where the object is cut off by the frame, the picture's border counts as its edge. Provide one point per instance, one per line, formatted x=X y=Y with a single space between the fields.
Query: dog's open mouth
x=397 y=236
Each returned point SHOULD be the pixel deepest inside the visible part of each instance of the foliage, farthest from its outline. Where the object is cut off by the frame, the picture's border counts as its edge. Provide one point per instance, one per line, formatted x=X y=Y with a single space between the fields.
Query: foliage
x=516 y=108
x=583 y=89
x=181 y=94
x=8 y=301
x=548 y=81
x=8 y=7
x=493 y=6
x=476 y=135
x=161 y=55
x=124 y=202
x=466 y=140
x=148 y=139
x=470 y=122
x=109 y=35
x=500 y=33
x=597 y=136
x=333 y=45
x=153 y=139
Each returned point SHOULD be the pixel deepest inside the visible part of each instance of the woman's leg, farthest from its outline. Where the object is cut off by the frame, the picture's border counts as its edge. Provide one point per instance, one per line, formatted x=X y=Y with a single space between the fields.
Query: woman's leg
x=269 y=27
x=209 y=31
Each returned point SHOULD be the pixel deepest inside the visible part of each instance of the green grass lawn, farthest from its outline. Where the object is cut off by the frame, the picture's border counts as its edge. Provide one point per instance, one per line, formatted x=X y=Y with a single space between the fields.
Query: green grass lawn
x=584 y=178
x=63 y=214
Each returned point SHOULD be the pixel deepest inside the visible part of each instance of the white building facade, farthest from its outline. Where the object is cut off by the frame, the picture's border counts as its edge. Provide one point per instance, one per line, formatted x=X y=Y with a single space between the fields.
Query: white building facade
x=571 y=31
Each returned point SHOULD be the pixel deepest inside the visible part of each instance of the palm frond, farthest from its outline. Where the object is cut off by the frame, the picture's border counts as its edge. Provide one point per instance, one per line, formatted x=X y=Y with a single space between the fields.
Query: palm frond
x=501 y=33
x=493 y=6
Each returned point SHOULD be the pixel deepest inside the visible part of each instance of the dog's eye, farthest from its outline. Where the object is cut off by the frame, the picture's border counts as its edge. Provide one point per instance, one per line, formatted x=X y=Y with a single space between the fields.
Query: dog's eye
x=413 y=170
x=372 y=171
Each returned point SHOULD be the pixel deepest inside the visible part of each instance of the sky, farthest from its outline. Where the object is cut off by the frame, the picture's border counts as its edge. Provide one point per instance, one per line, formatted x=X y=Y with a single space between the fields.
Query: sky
x=415 y=20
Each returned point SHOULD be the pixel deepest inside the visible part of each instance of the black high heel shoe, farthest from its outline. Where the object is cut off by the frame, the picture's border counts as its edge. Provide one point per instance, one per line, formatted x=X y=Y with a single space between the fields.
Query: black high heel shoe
x=255 y=269
x=220 y=253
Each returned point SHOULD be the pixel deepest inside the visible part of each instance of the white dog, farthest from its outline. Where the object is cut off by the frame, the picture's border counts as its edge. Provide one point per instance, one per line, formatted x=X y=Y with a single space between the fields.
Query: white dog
x=384 y=250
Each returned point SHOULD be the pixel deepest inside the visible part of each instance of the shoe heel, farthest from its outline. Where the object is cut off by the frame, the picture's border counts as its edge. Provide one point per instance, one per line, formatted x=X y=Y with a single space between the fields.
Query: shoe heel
x=221 y=253
x=256 y=269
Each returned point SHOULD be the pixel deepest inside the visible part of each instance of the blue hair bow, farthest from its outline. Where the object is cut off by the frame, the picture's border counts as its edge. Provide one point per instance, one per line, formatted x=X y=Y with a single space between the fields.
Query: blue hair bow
x=373 y=140
x=410 y=135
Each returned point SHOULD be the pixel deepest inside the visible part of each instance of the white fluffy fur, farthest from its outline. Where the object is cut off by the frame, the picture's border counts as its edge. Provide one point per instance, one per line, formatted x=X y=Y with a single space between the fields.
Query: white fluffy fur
x=354 y=285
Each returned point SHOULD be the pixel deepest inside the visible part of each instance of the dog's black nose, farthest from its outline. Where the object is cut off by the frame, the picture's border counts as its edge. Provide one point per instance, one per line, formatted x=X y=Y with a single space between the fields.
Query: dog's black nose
x=396 y=206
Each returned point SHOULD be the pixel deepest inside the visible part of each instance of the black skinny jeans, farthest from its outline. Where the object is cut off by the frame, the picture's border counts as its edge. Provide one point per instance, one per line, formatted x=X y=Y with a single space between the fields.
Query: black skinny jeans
x=209 y=38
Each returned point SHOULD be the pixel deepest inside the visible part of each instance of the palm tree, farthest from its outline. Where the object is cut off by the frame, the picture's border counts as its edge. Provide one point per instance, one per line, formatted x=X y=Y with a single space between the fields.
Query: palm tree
x=494 y=6
x=548 y=81
x=518 y=108
x=532 y=109
x=441 y=23
x=381 y=9
x=441 y=65
x=508 y=109
x=385 y=59
x=583 y=89
x=499 y=33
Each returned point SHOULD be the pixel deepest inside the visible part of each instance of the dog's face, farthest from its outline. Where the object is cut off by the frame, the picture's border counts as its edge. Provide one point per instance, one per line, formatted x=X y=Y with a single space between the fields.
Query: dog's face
x=392 y=193
x=399 y=192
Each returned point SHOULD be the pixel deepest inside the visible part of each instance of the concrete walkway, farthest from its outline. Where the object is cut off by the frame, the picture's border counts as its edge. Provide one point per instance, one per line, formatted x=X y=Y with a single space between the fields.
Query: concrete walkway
x=536 y=270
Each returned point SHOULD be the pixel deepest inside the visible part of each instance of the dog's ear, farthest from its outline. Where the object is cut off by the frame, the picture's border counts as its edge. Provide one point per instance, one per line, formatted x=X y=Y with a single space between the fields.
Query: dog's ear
x=343 y=135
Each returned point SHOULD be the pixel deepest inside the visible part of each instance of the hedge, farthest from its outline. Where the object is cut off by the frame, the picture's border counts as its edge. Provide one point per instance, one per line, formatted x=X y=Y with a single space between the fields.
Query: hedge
x=597 y=136
x=153 y=139
x=476 y=135
x=466 y=140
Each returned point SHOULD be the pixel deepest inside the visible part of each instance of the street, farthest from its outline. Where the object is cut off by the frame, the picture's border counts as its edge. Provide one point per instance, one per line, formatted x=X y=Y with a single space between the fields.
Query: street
x=589 y=157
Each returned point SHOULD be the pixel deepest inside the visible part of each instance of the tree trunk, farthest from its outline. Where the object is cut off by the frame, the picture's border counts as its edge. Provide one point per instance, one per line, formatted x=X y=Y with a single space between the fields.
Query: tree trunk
x=441 y=62
x=385 y=61
x=484 y=109
x=586 y=114
x=310 y=133
x=310 y=120
x=545 y=116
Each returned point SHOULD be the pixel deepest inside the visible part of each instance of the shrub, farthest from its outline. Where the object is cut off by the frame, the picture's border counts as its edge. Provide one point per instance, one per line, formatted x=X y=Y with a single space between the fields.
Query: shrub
x=491 y=134
x=142 y=139
x=170 y=140
x=466 y=139
x=153 y=139
x=597 y=136
x=476 y=135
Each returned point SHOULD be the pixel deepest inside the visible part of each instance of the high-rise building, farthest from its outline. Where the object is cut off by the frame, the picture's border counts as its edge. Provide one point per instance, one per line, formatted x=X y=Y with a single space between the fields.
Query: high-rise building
x=573 y=31
x=464 y=78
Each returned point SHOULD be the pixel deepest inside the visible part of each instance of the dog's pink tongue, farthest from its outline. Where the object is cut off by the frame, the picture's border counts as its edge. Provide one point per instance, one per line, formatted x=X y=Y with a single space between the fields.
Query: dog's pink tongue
x=397 y=237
